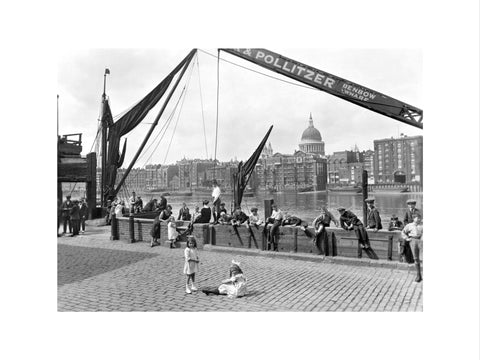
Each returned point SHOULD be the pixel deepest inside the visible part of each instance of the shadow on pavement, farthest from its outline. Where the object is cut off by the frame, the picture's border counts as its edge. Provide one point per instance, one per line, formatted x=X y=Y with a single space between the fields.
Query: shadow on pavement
x=76 y=263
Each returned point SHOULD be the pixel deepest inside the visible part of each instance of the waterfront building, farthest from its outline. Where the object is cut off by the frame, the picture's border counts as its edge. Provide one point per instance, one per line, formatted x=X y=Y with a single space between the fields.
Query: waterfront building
x=153 y=176
x=168 y=177
x=368 y=159
x=399 y=160
x=135 y=181
x=345 y=167
x=193 y=173
x=223 y=173
x=304 y=168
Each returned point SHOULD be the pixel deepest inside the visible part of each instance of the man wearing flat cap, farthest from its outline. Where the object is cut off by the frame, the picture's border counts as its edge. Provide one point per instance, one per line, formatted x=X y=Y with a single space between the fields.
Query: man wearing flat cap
x=373 y=217
x=412 y=210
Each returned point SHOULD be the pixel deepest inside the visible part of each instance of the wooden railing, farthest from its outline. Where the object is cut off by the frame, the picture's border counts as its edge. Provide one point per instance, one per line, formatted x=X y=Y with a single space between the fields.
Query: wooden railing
x=291 y=238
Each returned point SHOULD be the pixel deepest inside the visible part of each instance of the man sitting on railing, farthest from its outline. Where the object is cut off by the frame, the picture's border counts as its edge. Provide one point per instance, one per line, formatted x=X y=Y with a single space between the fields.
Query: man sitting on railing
x=349 y=221
x=321 y=222
x=276 y=218
x=291 y=220
x=254 y=218
x=239 y=217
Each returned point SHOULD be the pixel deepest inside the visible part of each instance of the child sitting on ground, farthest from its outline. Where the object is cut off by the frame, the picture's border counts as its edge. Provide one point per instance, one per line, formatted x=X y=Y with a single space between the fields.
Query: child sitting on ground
x=234 y=286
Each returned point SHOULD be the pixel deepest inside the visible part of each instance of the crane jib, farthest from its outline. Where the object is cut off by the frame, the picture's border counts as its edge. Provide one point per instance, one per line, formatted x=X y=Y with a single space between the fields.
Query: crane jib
x=332 y=84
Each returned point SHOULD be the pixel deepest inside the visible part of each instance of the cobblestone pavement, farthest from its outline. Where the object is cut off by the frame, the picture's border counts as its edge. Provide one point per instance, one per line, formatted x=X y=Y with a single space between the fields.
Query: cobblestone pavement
x=96 y=274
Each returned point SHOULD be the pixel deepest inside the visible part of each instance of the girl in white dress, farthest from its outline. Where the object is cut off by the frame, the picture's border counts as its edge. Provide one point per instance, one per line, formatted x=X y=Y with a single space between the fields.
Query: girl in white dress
x=191 y=264
x=172 y=232
x=234 y=286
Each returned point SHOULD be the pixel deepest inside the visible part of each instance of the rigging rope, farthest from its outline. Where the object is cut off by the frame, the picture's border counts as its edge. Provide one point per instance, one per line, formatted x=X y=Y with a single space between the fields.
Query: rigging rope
x=292 y=83
x=216 y=122
x=201 y=104
x=184 y=92
x=164 y=129
x=258 y=72
x=96 y=138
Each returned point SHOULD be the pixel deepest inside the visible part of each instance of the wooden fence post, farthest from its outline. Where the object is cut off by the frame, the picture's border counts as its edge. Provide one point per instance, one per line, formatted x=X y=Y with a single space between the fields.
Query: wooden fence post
x=334 y=244
x=295 y=240
x=131 y=228
x=390 y=247
x=114 y=225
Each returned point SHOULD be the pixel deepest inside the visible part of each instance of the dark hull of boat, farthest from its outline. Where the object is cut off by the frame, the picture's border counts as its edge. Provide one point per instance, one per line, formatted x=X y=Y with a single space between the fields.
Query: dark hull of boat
x=346 y=190
x=402 y=189
x=307 y=189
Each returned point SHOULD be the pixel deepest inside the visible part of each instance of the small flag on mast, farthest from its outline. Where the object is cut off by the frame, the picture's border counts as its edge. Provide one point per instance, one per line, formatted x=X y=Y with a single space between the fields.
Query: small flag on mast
x=107 y=71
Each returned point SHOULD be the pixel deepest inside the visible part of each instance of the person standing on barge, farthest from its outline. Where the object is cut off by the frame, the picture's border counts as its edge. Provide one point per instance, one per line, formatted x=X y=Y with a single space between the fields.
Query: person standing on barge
x=216 y=192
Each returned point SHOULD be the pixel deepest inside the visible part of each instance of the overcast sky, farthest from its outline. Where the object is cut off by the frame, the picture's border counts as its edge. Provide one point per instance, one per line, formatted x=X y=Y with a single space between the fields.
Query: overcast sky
x=248 y=102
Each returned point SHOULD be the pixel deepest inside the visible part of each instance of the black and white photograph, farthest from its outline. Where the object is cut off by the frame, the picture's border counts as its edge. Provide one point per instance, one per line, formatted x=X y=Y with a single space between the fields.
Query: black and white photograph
x=268 y=180
x=240 y=174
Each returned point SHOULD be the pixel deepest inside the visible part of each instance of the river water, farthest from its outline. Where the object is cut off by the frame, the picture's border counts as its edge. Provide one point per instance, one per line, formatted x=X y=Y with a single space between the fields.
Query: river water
x=305 y=205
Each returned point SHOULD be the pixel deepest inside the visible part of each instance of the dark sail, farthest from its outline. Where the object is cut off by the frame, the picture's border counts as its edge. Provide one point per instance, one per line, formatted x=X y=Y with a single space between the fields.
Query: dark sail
x=128 y=122
x=245 y=170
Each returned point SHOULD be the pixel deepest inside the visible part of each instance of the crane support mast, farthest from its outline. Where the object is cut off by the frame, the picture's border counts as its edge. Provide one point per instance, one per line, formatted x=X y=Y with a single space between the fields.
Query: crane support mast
x=334 y=85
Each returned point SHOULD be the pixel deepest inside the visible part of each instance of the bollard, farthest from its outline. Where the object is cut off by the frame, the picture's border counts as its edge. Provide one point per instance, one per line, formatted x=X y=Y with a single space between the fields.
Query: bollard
x=295 y=240
x=334 y=244
x=326 y=247
x=206 y=234
x=390 y=247
x=213 y=235
x=114 y=233
x=131 y=228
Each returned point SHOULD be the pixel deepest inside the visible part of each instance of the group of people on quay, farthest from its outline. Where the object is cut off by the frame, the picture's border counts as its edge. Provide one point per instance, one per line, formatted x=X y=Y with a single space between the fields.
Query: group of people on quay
x=72 y=213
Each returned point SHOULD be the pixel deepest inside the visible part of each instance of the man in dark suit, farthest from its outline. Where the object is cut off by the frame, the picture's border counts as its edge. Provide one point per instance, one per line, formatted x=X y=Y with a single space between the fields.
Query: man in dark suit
x=411 y=212
x=373 y=217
